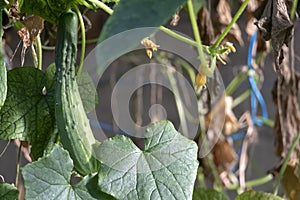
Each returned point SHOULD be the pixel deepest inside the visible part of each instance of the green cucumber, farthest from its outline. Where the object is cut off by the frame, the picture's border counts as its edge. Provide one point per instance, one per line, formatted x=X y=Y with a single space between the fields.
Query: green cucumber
x=75 y=132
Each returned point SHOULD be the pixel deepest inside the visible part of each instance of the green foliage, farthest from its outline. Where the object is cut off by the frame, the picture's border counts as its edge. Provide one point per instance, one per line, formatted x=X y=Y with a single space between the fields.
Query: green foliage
x=208 y=194
x=34 y=105
x=257 y=195
x=8 y=192
x=87 y=90
x=49 y=10
x=49 y=178
x=139 y=13
x=165 y=169
x=28 y=112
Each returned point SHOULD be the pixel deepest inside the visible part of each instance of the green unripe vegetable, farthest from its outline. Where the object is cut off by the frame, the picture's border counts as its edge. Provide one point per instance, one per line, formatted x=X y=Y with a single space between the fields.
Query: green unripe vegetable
x=73 y=125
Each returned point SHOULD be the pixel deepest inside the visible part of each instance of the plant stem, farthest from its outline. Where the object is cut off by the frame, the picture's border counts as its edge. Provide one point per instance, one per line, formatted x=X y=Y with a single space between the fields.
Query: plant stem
x=103 y=6
x=236 y=82
x=267 y=122
x=253 y=183
x=90 y=41
x=83 y=38
x=48 y=48
x=177 y=36
x=227 y=29
x=5 y=148
x=241 y=98
x=285 y=163
x=295 y=2
x=39 y=52
x=18 y=164
x=34 y=56
x=178 y=102
x=197 y=36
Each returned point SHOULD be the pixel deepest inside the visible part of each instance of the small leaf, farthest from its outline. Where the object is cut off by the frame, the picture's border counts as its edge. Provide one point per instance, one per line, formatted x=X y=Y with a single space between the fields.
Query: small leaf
x=165 y=169
x=208 y=194
x=257 y=195
x=49 y=178
x=139 y=13
x=27 y=113
x=8 y=192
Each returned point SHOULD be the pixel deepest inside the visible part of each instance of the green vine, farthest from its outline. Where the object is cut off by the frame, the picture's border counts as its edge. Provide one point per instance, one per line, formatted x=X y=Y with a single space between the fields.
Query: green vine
x=285 y=163
x=83 y=40
x=228 y=28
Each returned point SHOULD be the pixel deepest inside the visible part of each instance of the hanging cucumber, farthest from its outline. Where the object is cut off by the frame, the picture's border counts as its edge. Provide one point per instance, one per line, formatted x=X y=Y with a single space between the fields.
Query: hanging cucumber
x=75 y=132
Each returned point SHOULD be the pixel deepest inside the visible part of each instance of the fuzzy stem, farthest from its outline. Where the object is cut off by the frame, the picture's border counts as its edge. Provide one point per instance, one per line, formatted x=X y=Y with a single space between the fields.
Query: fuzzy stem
x=197 y=36
x=39 y=52
x=285 y=163
x=103 y=6
x=177 y=36
x=253 y=183
x=227 y=29
x=83 y=39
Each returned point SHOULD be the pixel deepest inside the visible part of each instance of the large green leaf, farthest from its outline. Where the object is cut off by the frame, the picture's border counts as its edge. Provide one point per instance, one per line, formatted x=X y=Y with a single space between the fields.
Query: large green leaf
x=28 y=112
x=49 y=10
x=208 y=194
x=257 y=195
x=8 y=192
x=165 y=169
x=49 y=178
x=139 y=13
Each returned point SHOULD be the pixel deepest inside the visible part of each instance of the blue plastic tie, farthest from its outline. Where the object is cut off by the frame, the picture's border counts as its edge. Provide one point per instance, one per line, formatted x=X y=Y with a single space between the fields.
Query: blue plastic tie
x=255 y=93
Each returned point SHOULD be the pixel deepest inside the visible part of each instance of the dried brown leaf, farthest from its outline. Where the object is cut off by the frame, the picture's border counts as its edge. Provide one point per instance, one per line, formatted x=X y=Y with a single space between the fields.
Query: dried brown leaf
x=205 y=26
x=231 y=124
x=34 y=25
x=223 y=18
x=224 y=155
x=275 y=24
x=287 y=118
x=291 y=182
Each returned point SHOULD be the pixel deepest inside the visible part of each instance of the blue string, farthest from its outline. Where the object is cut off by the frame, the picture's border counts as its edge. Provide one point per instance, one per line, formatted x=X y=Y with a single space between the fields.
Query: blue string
x=255 y=93
x=255 y=96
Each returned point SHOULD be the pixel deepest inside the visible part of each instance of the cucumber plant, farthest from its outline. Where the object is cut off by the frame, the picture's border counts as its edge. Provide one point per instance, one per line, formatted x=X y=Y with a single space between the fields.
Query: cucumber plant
x=73 y=126
x=56 y=125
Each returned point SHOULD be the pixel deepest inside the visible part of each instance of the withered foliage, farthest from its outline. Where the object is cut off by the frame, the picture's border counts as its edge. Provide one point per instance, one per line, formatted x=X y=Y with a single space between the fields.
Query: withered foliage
x=212 y=22
x=290 y=181
x=205 y=25
x=276 y=25
x=287 y=118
